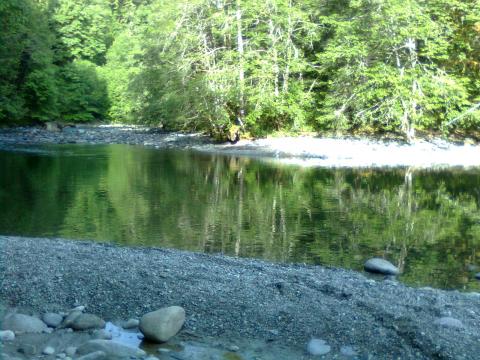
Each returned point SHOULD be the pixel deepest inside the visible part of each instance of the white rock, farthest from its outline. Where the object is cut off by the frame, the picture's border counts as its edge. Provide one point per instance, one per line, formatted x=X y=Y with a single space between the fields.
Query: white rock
x=7 y=335
x=80 y=308
x=162 y=324
x=318 y=347
x=20 y=323
x=48 y=350
x=348 y=350
x=381 y=266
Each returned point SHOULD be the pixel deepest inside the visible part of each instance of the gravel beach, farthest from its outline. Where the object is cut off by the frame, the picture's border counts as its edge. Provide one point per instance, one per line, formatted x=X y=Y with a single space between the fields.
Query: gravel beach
x=242 y=299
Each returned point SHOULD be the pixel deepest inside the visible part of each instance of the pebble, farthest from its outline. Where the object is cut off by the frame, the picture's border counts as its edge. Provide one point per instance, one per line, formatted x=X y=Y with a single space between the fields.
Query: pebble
x=20 y=323
x=71 y=350
x=318 y=347
x=48 y=350
x=7 y=335
x=381 y=266
x=131 y=323
x=87 y=321
x=162 y=324
x=80 y=308
x=348 y=350
x=110 y=348
x=61 y=356
x=52 y=319
x=233 y=348
x=449 y=322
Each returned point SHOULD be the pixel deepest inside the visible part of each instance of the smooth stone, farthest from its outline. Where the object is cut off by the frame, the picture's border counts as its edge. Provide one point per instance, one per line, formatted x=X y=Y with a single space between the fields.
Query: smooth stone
x=477 y=276
x=20 y=323
x=131 y=323
x=110 y=348
x=48 y=350
x=348 y=350
x=61 y=356
x=318 y=347
x=381 y=266
x=162 y=324
x=52 y=319
x=7 y=335
x=87 y=321
x=233 y=348
x=71 y=317
x=96 y=355
x=80 y=308
x=71 y=350
x=449 y=322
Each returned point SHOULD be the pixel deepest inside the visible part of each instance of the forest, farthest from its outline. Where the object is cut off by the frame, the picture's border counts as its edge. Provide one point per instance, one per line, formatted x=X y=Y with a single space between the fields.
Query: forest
x=223 y=66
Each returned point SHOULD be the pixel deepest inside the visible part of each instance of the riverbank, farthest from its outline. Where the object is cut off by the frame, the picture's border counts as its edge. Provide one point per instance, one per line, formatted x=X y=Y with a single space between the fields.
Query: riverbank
x=281 y=305
x=303 y=151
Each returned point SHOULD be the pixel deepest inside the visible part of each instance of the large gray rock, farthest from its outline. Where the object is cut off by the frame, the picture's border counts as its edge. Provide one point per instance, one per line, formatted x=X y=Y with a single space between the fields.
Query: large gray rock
x=20 y=323
x=381 y=266
x=52 y=319
x=110 y=348
x=162 y=324
x=86 y=322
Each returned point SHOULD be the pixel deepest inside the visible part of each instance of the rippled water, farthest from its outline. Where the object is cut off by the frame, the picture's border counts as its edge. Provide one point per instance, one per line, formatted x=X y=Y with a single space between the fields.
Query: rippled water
x=425 y=222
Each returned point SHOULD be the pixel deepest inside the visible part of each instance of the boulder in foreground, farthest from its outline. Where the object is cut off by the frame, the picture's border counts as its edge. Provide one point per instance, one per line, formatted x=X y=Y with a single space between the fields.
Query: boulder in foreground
x=162 y=324
x=20 y=323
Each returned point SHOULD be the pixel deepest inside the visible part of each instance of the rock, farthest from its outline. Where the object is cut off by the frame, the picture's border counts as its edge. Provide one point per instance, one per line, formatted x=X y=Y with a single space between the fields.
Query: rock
x=86 y=322
x=151 y=357
x=48 y=350
x=71 y=317
x=52 y=319
x=318 y=347
x=233 y=348
x=61 y=356
x=348 y=350
x=20 y=323
x=131 y=323
x=7 y=335
x=80 y=308
x=53 y=126
x=449 y=322
x=162 y=324
x=27 y=349
x=110 y=348
x=71 y=350
x=96 y=355
x=381 y=266
x=477 y=276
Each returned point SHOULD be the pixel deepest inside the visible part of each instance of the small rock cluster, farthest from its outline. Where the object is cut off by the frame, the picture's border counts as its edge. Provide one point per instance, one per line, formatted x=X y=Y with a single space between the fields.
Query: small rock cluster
x=158 y=326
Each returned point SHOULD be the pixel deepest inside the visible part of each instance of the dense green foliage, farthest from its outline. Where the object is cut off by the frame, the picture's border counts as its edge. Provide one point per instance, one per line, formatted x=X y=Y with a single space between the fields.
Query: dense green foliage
x=366 y=65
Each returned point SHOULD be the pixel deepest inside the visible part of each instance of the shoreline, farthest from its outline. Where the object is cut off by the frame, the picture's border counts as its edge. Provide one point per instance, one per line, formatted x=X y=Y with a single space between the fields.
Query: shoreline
x=302 y=151
x=245 y=299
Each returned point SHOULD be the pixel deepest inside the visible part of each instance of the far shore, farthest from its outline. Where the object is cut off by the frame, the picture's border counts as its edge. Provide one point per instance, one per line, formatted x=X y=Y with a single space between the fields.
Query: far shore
x=301 y=150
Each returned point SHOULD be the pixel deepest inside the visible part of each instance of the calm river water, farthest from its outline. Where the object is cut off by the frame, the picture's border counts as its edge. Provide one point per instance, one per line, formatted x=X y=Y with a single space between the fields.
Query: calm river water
x=425 y=222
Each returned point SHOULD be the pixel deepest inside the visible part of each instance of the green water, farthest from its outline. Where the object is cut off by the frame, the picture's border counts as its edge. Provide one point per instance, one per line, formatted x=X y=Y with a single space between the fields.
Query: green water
x=425 y=222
